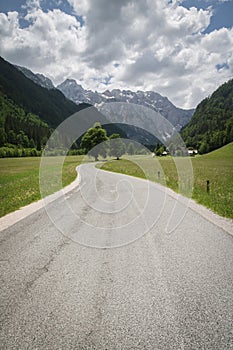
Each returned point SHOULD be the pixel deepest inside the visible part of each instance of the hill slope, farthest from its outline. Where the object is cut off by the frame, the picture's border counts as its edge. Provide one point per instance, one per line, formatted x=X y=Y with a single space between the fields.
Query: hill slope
x=211 y=126
x=224 y=153
x=50 y=105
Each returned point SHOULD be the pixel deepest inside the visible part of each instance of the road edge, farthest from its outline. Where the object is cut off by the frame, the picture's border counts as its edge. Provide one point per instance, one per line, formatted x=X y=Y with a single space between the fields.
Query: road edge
x=16 y=216
x=224 y=223
x=10 y=219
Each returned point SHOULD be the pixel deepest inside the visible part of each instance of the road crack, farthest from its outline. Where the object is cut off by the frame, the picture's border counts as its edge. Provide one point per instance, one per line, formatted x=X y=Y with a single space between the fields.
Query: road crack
x=45 y=269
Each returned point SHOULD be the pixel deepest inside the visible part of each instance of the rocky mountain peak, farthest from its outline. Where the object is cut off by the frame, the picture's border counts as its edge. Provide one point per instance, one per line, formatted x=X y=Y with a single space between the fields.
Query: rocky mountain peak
x=153 y=100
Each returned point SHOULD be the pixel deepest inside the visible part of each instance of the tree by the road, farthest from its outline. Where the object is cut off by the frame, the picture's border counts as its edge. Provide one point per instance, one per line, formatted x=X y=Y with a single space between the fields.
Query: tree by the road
x=131 y=149
x=117 y=146
x=93 y=141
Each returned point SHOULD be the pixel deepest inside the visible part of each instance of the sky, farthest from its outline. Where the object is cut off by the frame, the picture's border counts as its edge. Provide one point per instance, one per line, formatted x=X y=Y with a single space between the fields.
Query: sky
x=180 y=49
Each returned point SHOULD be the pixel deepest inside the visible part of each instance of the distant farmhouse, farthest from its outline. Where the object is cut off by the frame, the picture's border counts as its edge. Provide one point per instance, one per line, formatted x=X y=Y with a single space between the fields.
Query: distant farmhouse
x=192 y=152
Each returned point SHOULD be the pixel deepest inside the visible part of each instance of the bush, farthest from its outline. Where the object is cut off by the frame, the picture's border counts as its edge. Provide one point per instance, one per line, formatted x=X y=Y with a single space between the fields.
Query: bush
x=13 y=151
x=2 y=152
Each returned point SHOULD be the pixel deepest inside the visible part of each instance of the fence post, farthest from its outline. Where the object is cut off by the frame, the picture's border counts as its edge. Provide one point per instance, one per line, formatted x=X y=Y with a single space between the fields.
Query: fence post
x=208 y=186
x=158 y=175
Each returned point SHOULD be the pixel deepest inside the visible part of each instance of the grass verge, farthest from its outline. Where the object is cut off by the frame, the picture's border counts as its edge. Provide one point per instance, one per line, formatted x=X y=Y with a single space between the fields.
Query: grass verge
x=217 y=167
x=19 y=180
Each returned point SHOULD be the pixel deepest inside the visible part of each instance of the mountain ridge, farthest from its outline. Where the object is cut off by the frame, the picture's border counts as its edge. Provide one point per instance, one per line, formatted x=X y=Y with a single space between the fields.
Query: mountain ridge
x=38 y=78
x=151 y=100
x=176 y=116
x=50 y=105
x=29 y=112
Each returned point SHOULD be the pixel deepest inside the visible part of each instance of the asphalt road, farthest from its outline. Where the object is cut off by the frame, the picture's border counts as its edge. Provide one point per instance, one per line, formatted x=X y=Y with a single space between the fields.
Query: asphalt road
x=98 y=269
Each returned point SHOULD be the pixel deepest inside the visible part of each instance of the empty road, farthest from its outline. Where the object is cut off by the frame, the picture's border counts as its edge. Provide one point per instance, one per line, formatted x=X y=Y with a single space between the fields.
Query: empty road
x=115 y=265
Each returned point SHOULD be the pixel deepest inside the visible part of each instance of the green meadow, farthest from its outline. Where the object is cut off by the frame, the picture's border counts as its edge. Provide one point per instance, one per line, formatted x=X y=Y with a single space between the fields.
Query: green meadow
x=19 y=180
x=19 y=177
x=217 y=167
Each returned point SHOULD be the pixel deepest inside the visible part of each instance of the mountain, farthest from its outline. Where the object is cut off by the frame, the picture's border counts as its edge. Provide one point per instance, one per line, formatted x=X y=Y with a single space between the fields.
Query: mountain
x=176 y=116
x=50 y=105
x=211 y=126
x=138 y=131
x=29 y=112
x=39 y=79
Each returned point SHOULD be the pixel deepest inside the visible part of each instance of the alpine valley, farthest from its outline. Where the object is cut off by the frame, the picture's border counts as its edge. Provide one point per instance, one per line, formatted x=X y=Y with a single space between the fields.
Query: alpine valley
x=34 y=96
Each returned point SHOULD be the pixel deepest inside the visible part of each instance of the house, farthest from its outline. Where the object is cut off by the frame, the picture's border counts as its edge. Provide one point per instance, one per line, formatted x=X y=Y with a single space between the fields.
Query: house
x=192 y=152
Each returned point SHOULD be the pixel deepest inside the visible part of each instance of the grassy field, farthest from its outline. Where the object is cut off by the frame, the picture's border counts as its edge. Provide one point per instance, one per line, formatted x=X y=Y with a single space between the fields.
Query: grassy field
x=19 y=177
x=217 y=167
x=19 y=180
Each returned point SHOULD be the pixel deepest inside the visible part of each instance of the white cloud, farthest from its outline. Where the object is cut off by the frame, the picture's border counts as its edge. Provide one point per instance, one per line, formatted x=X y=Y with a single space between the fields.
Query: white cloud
x=80 y=6
x=156 y=44
x=32 y=5
x=51 y=38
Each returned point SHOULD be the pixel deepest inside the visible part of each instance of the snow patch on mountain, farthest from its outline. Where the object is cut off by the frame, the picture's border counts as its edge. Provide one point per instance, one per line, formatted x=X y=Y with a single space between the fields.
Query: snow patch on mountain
x=176 y=116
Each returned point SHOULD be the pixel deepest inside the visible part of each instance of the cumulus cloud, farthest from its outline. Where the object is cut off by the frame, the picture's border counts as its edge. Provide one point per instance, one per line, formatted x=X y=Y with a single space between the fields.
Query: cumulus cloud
x=80 y=6
x=150 y=45
x=50 y=38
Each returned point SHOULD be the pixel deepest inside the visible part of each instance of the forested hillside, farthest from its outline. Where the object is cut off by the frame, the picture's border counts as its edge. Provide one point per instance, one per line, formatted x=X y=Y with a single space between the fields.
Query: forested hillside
x=50 y=105
x=211 y=127
x=20 y=130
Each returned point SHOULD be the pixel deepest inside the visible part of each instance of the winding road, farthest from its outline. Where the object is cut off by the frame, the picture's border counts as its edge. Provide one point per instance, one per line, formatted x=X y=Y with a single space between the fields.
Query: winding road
x=116 y=263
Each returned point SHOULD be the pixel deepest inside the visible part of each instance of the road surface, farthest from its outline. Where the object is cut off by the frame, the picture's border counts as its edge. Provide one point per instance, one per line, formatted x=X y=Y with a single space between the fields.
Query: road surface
x=62 y=288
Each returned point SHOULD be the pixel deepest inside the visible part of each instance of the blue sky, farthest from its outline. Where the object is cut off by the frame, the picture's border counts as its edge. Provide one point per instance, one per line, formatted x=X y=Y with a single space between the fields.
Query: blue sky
x=46 y=5
x=222 y=15
x=222 y=12
x=17 y=5
x=181 y=49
